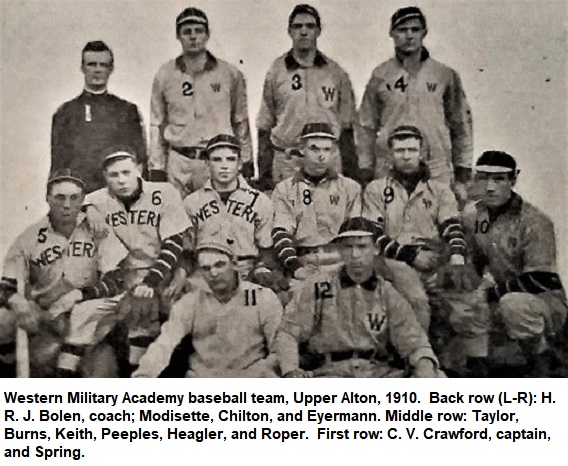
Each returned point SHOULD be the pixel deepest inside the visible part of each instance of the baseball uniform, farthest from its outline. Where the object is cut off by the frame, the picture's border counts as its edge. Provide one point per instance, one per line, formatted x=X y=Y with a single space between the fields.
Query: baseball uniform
x=83 y=128
x=433 y=100
x=294 y=96
x=189 y=109
x=231 y=339
x=349 y=329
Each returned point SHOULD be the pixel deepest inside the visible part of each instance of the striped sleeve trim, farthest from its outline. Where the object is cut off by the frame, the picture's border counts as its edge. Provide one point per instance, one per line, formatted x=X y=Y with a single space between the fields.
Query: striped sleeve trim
x=391 y=249
x=285 y=248
x=453 y=234
x=531 y=282
x=109 y=285
x=168 y=258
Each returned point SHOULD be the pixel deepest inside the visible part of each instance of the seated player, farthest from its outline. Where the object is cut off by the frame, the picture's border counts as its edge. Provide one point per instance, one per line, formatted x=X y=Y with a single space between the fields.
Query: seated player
x=310 y=207
x=513 y=246
x=351 y=319
x=245 y=214
x=232 y=322
x=55 y=268
x=418 y=218
x=150 y=221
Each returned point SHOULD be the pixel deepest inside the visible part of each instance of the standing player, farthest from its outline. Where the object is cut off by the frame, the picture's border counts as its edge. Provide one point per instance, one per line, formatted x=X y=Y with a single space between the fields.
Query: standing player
x=232 y=323
x=413 y=89
x=150 y=220
x=515 y=243
x=195 y=97
x=310 y=207
x=303 y=86
x=60 y=261
x=352 y=320
x=88 y=125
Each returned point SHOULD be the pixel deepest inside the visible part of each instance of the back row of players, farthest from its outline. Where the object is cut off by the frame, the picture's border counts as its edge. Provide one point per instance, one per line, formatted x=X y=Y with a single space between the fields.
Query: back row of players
x=316 y=243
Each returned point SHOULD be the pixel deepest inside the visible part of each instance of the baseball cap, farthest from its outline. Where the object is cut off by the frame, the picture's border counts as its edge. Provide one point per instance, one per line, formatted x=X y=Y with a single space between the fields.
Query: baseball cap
x=116 y=153
x=65 y=174
x=215 y=238
x=405 y=131
x=494 y=161
x=307 y=9
x=355 y=227
x=406 y=13
x=222 y=140
x=318 y=130
x=192 y=15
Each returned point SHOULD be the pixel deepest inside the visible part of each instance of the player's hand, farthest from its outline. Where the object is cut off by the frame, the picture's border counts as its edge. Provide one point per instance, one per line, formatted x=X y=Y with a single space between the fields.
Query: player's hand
x=458 y=277
x=143 y=291
x=177 y=287
x=302 y=273
x=268 y=278
x=425 y=261
x=424 y=369
x=298 y=374
x=65 y=303
x=28 y=313
x=96 y=222
x=139 y=311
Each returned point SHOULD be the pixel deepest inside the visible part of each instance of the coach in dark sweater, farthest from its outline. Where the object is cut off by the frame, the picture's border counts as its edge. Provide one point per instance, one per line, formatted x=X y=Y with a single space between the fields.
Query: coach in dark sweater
x=85 y=127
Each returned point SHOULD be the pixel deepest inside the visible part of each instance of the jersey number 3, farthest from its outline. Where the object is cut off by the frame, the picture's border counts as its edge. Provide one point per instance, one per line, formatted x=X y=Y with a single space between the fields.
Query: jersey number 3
x=296 y=82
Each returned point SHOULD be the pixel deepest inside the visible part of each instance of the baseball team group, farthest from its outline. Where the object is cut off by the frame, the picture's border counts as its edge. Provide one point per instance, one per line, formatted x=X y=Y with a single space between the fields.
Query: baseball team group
x=368 y=243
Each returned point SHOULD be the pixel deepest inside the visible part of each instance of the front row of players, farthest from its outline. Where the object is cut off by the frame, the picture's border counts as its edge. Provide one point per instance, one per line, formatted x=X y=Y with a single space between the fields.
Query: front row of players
x=368 y=280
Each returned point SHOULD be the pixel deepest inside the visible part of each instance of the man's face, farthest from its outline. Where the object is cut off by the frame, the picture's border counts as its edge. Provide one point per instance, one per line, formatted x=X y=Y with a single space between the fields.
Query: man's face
x=406 y=155
x=193 y=38
x=65 y=200
x=224 y=164
x=496 y=188
x=358 y=255
x=304 y=32
x=96 y=67
x=218 y=270
x=122 y=177
x=317 y=155
x=408 y=36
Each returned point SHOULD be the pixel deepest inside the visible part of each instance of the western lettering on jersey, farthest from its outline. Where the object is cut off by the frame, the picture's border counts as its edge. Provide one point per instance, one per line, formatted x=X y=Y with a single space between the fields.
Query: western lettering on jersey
x=233 y=207
x=328 y=92
x=134 y=217
x=376 y=321
x=431 y=86
x=75 y=249
x=216 y=87
x=334 y=199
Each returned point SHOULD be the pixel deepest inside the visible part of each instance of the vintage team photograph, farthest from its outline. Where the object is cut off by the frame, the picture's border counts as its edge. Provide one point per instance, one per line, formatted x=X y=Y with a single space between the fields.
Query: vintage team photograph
x=257 y=188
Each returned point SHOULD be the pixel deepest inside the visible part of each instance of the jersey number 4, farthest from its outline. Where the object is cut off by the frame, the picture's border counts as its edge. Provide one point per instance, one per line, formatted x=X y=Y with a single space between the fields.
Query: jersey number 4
x=401 y=84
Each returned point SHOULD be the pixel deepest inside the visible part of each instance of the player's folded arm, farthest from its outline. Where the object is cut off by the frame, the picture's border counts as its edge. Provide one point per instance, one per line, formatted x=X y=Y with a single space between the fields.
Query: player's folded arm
x=170 y=252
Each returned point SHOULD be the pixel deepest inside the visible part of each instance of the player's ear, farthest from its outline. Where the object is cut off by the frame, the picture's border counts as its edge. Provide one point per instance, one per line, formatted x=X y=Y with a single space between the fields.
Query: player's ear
x=425 y=33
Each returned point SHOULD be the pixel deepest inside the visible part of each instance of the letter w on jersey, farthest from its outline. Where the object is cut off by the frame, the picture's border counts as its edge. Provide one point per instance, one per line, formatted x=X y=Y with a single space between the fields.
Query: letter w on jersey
x=328 y=92
x=216 y=87
x=334 y=199
x=376 y=321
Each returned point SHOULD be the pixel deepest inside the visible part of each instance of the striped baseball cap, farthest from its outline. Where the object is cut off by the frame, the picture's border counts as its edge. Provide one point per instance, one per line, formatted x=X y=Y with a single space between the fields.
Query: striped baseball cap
x=65 y=174
x=355 y=227
x=318 y=130
x=192 y=15
x=215 y=238
x=494 y=161
x=118 y=152
x=222 y=140
x=406 y=13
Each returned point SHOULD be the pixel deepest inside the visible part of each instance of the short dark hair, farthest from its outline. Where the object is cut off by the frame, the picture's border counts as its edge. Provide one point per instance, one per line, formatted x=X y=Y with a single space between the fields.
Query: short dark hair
x=97 y=46
x=306 y=9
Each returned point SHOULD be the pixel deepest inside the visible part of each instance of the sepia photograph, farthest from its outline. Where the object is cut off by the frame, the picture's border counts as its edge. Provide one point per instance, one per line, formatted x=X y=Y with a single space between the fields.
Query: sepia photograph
x=258 y=188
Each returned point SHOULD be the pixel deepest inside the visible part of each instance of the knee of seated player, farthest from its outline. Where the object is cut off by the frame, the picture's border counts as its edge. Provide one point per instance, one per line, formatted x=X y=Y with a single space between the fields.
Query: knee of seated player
x=7 y=326
x=90 y=321
x=100 y=362
x=523 y=315
x=469 y=316
x=44 y=350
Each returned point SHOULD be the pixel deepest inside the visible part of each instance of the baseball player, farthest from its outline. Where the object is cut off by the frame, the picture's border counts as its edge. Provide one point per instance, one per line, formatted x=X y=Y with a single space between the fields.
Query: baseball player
x=303 y=86
x=195 y=97
x=351 y=319
x=150 y=220
x=514 y=243
x=310 y=207
x=86 y=126
x=418 y=219
x=65 y=268
x=413 y=89
x=232 y=322
x=246 y=214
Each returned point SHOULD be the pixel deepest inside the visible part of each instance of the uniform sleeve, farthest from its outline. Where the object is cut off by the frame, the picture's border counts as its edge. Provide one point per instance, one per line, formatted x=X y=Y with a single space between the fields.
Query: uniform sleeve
x=174 y=218
x=284 y=229
x=266 y=119
x=270 y=318
x=354 y=207
x=158 y=122
x=449 y=221
x=406 y=334
x=368 y=123
x=111 y=252
x=15 y=269
x=373 y=205
x=459 y=122
x=135 y=137
x=240 y=116
x=347 y=114
x=178 y=325
x=263 y=229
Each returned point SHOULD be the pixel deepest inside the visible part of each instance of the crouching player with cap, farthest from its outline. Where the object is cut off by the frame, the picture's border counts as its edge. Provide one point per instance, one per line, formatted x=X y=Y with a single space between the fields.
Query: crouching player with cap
x=245 y=214
x=349 y=319
x=56 y=269
x=149 y=219
x=310 y=207
x=232 y=322
x=513 y=243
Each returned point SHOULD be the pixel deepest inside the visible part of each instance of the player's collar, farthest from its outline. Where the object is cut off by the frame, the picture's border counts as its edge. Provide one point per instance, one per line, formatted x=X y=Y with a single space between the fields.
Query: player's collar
x=424 y=55
x=81 y=217
x=513 y=206
x=412 y=181
x=210 y=63
x=292 y=64
x=241 y=184
x=300 y=175
x=347 y=282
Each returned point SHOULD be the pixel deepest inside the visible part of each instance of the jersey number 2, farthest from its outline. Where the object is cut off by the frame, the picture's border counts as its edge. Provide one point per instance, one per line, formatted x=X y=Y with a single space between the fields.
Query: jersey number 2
x=187 y=89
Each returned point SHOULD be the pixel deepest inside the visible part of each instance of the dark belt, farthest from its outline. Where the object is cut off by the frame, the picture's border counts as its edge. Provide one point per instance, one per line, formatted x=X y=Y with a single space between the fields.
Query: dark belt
x=246 y=258
x=353 y=354
x=288 y=152
x=189 y=152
